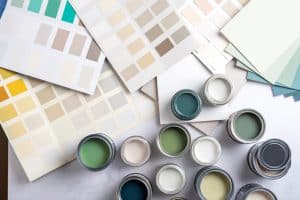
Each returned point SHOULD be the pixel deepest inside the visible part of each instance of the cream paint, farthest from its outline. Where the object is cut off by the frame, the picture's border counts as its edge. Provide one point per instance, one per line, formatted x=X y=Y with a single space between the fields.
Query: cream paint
x=206 y=150
x=136 y=151
x=170 y=179
x=259 y=195
x=219 y=89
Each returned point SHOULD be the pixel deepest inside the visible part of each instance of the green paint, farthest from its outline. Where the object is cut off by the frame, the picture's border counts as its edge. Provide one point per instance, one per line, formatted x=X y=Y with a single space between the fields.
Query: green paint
x=173 y=140
x=94 y=153
x=17 y=3
x=52 y=8
x=35 y=5
x=247 y=126
x=69 y=13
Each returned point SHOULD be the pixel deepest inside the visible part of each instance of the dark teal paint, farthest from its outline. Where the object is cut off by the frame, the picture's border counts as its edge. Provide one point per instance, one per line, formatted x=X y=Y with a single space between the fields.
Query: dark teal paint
x=134 y=190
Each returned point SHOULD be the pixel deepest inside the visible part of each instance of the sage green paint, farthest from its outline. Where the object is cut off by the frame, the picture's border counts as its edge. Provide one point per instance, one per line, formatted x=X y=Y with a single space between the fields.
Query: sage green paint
x=94 y=153
x=173 y=140
x=247 y=126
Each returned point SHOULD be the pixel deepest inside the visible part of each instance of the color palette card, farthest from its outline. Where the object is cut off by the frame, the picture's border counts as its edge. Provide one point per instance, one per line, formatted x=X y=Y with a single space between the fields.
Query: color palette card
x=207 y=17
x=44 y=123
x=187 y=74
x=44 y=39
x=272 y=43
x=141 y=38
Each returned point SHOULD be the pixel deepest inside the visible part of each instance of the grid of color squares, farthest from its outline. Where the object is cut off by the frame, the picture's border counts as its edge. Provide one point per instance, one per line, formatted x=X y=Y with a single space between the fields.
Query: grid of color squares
x=45 y=40
x=207 y=17
x=44 y=123
x=140 y=38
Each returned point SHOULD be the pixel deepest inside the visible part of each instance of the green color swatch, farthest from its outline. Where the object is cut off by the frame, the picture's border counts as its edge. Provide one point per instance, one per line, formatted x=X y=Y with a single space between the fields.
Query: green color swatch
x=52 y=8
x=247 y=126
x=35 y=5
x=17 y=3
x=94 y=153
x=69 y=13
x=173 y=140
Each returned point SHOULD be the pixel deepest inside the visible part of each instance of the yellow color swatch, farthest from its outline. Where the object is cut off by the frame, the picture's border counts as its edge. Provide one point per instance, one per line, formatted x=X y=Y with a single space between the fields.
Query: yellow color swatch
x=15 y=130
x=26 y=104
x=7 y=112
x=3 y=94
x=17 y=87
x=5 y=73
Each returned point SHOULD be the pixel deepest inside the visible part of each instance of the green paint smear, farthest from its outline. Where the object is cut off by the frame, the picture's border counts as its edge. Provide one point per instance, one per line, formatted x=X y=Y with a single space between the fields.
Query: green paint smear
x=187 y=104
x=69 y=13
x=52 y=8
x=173 y=141
x=17 y=3
x=35 y=5
x=247 y=126
x=94 y=153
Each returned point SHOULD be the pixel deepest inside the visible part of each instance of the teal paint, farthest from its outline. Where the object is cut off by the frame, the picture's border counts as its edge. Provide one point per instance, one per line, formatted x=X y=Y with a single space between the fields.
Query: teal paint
x=35 y=5
x=134 y=190
x=69 y=13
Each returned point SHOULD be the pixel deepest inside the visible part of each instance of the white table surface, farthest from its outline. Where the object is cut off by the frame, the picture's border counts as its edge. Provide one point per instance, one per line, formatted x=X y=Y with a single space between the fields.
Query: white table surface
x=72 y=182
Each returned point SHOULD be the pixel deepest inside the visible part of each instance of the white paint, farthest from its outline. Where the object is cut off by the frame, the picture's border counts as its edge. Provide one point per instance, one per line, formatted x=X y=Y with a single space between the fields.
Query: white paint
x=170 y=179
x=206 y=150
x=135 y=151
x=219 y=89
x=259 y=195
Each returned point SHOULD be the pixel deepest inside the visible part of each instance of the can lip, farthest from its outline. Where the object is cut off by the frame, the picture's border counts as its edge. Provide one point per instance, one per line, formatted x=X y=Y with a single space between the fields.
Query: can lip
x=209 y=169
x=253 y=187
x=129 y=139
x=264 y=146
x=210 y=100
x=186 y=132
x=234 y=135
x=217 y=145
x=107 y=140
x=178 y=198
x=136 y=176
x=168 y=166
x=174 y=107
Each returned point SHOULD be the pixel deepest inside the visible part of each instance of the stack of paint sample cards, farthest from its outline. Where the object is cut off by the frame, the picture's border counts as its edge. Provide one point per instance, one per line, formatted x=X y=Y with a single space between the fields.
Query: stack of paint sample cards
x=268 y=45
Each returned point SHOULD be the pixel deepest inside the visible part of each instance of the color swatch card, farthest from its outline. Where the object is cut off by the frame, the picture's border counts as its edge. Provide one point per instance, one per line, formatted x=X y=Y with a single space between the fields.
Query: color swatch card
x=272 y=43
x=44 y=39
x=141 y=38
x=45 y=123
x=187 y=74
x=207 y=17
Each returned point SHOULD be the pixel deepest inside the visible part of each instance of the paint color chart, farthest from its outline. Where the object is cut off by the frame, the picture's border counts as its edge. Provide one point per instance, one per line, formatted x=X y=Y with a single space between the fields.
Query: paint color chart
x=207 y=17
x=44 y=123
x=45 y=40
x=140 y=38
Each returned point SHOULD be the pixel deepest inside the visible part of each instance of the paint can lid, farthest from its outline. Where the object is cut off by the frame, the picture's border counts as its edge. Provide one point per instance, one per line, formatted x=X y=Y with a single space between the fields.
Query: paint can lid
x=252 y=188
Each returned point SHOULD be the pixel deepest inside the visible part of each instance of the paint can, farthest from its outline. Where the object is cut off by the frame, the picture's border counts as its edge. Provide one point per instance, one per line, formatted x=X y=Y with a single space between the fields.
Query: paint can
x=186 y=104
x=270 y=159
x=135 y=151
x=246 y=126
x=174 y=140
x=255 y=191
x=217 y=90
x=134 y=186
x=178 y=198
x=208 y=179
x=170 y=179
x=95 y=152
x=206 y=150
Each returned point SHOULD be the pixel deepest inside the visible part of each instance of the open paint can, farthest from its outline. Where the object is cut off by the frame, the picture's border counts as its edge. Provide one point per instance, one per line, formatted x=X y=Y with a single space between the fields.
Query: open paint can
x=213 y=183
x=206 y=150
x=135 y=186
x=270 y=159
x=255 y=192
x=178 y=198
x=95 y=152
x=217 y=90
x=174 y=140
x=170 y=179
x=186 y=104
x=246 y=126
x=135 y=151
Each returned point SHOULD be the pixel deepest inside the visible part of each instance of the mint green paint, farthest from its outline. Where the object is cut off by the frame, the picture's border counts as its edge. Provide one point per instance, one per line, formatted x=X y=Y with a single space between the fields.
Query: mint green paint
x=52 y=8
x=247 y=126
x=17 y=3
x=35 y=5
x=94 y=153
x=69 y=13
x=173 y=140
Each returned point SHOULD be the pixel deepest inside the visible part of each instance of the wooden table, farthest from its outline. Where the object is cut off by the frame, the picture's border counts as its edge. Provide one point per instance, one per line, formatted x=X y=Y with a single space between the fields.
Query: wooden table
x=3 y=165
